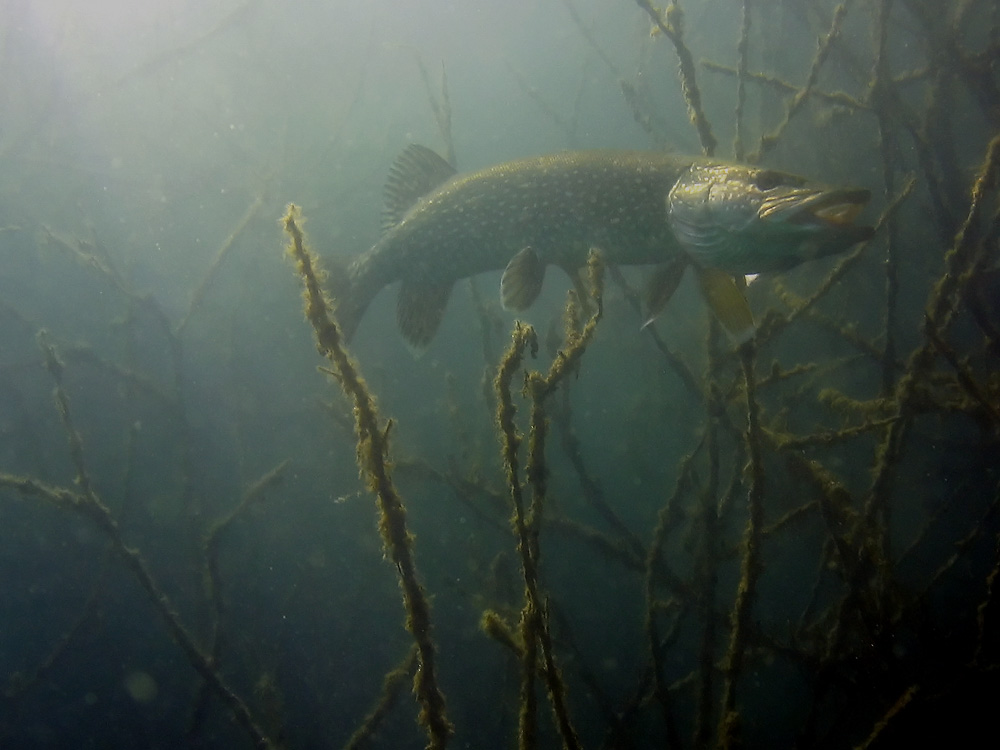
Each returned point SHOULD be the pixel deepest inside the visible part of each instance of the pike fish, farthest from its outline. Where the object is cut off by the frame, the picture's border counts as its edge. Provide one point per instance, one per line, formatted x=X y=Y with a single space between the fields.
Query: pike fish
x=638 y=208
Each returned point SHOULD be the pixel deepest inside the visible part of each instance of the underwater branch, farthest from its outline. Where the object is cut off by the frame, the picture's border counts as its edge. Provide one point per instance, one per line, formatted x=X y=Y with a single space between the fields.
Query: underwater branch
x=372 y=452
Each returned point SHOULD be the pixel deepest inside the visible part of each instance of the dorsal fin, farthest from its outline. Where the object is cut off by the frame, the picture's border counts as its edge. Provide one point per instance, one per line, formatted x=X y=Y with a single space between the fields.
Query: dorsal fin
x=416 y=172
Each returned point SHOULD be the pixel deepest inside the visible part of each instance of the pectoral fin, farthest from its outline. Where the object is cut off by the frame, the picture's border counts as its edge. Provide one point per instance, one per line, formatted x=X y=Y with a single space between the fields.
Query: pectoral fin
x=419 y=310
x=728 y=303
x=522 y=280
x=662 y=285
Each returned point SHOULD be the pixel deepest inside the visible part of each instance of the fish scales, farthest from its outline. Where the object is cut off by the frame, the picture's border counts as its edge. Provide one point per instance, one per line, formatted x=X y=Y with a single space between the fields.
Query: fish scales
x=637 y=207
x=560 y=205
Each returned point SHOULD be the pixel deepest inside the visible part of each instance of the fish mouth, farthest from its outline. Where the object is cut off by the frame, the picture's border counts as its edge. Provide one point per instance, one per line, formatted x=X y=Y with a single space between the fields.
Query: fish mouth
x=834 y=208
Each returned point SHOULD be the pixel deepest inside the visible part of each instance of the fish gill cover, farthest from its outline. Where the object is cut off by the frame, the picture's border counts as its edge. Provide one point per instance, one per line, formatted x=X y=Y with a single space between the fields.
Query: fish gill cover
x=554 y=528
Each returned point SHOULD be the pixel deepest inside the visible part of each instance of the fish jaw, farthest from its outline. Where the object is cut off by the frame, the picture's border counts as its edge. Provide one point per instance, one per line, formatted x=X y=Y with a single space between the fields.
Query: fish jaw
x=747 y=220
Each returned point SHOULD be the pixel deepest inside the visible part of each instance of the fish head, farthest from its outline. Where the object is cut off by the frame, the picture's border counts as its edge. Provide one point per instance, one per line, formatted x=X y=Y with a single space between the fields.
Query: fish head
x=744 y=219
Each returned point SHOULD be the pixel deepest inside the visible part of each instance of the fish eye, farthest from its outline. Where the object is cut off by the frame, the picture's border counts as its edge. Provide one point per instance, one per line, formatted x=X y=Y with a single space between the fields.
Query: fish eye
x=766 y=179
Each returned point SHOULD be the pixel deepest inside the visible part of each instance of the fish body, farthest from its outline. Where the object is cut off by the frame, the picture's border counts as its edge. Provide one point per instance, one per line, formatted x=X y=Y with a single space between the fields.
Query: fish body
x=637 y=207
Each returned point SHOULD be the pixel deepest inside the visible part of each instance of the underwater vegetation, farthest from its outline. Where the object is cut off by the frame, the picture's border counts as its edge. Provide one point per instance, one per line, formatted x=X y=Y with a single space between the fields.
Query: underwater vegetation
x=600 y=534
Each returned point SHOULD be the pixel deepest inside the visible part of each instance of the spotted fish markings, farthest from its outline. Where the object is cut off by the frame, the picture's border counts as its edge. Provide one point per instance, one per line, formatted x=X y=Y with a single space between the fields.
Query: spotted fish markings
x=637 y=207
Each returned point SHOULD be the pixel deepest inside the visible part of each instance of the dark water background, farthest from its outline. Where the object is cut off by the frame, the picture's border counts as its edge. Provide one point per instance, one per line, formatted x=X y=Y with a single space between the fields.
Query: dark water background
x=141 y=142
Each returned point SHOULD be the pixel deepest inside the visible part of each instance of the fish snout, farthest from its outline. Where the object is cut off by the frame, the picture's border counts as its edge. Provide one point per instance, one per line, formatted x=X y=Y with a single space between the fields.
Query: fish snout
x=827 y=208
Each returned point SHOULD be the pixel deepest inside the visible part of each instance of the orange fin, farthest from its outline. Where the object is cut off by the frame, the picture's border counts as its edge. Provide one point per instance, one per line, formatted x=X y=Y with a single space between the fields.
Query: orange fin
x=522 y=280
x=419 y=310
x=726 y=299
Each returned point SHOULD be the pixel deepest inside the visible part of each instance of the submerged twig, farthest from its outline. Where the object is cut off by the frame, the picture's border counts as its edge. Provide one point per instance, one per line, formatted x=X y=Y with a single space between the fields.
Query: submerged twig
x=372 y=457
x=671 y=25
